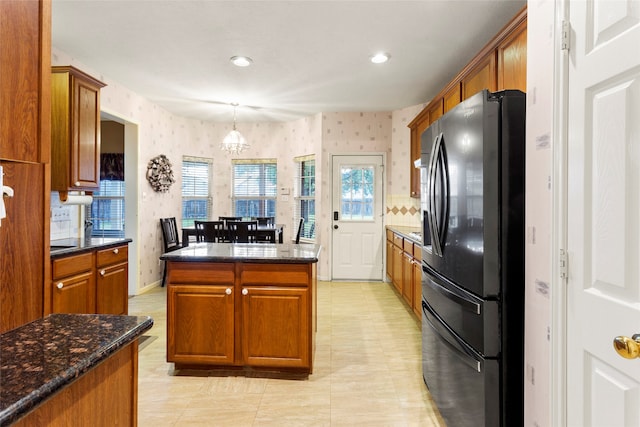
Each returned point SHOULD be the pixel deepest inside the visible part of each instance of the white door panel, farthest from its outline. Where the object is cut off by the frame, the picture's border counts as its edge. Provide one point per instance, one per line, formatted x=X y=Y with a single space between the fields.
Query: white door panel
x=357 y=218
x=603 y=235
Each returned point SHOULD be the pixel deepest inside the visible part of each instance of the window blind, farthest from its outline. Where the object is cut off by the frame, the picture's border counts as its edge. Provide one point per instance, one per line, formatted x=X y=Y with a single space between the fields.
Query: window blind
x=305 y=197
x=255 y=187
x=106 y=213
x=196 y=185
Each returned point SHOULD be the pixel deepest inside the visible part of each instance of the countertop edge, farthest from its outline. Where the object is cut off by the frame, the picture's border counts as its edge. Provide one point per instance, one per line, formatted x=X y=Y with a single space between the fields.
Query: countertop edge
x=95 y=244
x=17 y=410
x=404 y=231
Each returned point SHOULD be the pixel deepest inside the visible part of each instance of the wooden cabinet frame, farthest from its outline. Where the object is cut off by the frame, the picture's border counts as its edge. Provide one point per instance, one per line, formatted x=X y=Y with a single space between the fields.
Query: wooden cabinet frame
x=500 y=64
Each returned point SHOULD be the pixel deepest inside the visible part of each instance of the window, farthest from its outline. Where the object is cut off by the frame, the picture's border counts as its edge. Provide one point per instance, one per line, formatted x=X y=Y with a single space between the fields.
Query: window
x=357 y=193
x=305 y=196
x=255 y=185
x=196 y=182
x=106 y=213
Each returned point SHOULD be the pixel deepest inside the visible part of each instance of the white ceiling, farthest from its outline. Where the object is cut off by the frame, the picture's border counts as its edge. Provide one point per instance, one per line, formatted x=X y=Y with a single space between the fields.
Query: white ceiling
x=309 y=56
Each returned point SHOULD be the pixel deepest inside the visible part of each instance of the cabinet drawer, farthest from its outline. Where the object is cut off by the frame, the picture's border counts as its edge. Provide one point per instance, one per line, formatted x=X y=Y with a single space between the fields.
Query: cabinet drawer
x=204 y=273
x=408 y=247
x=112 y=256
x=74 y=264
x=272 y=274
x=397 y=240
x=390 y=235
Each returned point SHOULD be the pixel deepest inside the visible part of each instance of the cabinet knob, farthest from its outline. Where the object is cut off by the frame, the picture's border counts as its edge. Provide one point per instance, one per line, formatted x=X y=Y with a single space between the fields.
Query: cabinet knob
x=115 y=251
x=60 y=285
x=102 y=272
x=228 y=291
x=245 y=291
x=77 y=184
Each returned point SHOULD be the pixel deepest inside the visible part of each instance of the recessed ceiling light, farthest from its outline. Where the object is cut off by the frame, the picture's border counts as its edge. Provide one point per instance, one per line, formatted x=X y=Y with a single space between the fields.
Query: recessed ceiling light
x=380 y=58
x=241 y=61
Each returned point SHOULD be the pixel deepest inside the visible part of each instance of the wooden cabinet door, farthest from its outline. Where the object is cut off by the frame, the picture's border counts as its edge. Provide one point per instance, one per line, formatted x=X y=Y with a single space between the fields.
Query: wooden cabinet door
x=74 y=294
x=200 y=324
x=390 y=260
x=512 y=60
x=452 y=97
x=482 y=76
x=24 y=63
x=436 y=110
x=407 y=284
x=112 y=280
x=276 y=329
x=75 y=132
x=22 y=245
x=111 y=289
x=397 y=264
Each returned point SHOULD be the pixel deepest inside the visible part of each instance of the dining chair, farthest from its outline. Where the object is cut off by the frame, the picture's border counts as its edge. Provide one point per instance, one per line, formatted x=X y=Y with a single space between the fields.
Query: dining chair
x=227 y=219
x=242 y=231
x=264 y=220
x=170 y=239
x=210 y=231
x=299 y=230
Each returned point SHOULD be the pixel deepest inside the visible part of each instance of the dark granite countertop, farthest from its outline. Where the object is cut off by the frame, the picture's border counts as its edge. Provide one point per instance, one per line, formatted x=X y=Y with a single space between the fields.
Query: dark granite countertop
x=40 y=358
x=408 y=232
x=65 y=247
x=286 y=253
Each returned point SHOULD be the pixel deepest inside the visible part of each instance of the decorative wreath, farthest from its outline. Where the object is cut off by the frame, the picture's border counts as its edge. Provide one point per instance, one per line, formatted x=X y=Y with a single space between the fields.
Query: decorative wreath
x=159 y=173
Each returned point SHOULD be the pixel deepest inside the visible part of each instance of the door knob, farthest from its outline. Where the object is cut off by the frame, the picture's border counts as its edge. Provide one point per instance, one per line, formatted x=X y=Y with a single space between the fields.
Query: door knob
x=335 y=227
x=629 y=348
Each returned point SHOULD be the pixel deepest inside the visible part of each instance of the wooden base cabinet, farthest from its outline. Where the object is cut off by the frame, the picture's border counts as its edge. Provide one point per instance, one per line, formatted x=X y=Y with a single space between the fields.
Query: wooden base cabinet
x=241 y=315
x=104 y=396
x=91 y=282
x=112 y=268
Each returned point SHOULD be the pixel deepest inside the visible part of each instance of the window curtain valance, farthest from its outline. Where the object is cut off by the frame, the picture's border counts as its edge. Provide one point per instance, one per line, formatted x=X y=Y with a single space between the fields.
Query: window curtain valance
x=112 y=166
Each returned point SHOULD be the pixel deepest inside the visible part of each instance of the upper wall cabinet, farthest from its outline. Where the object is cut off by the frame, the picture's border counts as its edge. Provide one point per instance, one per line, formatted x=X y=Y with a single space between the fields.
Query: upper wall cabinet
x=75 y=130
x=25 y=34
x=500 y=65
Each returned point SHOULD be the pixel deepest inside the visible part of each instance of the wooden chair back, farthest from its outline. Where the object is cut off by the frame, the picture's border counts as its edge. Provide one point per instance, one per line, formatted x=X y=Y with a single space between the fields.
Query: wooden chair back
x=242 y=231
x=210 y=231
x=299 y=233
x=170 y=234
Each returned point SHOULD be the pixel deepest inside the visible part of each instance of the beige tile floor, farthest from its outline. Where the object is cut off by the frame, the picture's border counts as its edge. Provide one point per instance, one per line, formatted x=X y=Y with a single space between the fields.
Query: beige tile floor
x=367 y=371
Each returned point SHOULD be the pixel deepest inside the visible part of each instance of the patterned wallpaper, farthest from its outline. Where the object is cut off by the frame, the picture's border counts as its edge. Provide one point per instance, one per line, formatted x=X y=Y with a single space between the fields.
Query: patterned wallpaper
x=160 y=132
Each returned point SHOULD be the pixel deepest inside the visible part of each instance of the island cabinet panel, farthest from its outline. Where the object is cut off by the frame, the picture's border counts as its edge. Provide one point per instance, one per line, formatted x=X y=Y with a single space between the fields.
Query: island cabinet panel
x=241 y=315
x=275 y=327
x=105 y=396
x=200 y=324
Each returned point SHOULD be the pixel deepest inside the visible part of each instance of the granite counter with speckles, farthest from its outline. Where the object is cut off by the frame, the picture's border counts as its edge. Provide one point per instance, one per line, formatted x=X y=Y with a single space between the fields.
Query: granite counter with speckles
x=40 y=358
x=301 y=253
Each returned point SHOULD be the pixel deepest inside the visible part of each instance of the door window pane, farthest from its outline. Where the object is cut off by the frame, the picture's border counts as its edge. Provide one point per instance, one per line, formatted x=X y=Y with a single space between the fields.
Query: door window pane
x=357 y=193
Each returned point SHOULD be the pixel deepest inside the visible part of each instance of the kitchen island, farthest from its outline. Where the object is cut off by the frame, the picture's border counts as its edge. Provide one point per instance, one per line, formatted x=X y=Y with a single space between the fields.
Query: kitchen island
x=71 y=369
x=242 y=309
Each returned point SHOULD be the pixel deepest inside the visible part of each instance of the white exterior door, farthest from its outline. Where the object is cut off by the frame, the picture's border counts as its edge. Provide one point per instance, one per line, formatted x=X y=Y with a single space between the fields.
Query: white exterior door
x=603 y=240
x=357 y=218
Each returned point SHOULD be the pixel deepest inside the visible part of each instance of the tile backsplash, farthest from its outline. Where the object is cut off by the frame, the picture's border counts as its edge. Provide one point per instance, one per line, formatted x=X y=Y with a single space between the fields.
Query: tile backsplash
x=65 y=219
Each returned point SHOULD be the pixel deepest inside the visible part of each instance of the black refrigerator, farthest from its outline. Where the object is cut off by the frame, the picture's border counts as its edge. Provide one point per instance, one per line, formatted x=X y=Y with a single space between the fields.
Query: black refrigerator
x=472 y=209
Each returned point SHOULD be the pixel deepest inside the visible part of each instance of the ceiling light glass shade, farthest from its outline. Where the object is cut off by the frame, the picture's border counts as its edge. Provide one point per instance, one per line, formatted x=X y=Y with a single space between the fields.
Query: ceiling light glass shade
x=241 y=61
x=234 y=142
x=380 y=58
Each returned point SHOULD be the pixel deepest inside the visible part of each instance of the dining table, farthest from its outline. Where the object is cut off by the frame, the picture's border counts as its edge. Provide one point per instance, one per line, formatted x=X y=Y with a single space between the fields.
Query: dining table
x=273 y=232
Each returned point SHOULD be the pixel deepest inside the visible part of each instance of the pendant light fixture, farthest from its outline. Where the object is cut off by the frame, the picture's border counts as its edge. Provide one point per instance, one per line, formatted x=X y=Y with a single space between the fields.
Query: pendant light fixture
x=234 y=142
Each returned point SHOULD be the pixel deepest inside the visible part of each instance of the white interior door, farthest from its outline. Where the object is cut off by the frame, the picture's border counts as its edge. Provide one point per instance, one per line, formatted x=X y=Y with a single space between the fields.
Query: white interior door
x=603 y=239
x=357 y=218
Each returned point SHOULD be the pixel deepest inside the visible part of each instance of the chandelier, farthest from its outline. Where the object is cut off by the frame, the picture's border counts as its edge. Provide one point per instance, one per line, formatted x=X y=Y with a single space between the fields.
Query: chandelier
x=234 y=142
